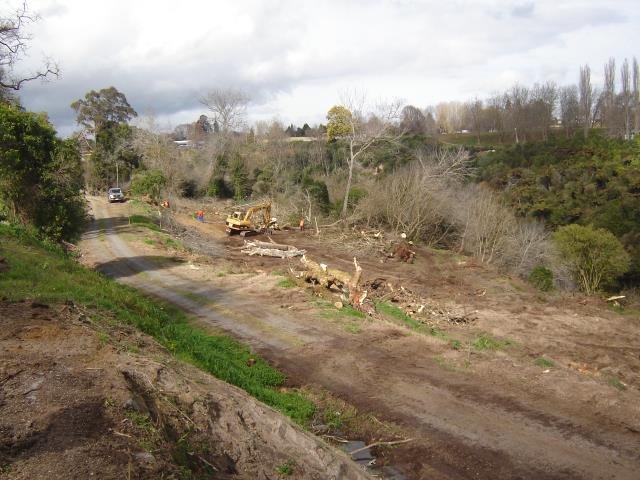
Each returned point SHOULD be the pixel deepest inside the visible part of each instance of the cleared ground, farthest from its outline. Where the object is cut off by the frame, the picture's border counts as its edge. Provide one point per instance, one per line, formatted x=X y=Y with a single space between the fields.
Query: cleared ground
x=532 y=386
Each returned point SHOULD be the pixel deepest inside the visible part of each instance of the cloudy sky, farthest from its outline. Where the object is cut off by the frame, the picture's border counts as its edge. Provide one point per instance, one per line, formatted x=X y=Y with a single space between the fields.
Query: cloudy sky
x=294 y=57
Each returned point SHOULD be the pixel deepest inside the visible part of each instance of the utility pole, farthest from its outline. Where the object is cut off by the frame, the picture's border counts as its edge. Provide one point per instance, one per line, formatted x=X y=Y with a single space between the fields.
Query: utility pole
x=117 y=176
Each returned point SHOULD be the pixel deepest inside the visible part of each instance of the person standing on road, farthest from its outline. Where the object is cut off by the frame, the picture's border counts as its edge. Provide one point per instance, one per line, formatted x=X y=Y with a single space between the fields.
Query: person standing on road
x=200 y=215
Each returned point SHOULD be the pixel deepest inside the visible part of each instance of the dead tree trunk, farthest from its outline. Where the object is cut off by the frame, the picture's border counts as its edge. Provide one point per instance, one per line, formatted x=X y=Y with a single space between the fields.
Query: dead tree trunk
x=348 y=283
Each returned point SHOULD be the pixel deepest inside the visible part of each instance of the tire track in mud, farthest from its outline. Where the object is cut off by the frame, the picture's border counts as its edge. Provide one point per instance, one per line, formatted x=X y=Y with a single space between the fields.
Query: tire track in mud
x=462 y=431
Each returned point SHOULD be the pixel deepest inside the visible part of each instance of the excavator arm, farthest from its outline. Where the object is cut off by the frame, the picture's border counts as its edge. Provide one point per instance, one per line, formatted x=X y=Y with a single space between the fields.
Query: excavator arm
x=248 y=222
x=264 y=208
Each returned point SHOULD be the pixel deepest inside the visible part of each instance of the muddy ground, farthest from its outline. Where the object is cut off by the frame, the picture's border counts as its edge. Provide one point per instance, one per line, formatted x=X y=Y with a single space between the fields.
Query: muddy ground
x=556 y=397
x=80 y=400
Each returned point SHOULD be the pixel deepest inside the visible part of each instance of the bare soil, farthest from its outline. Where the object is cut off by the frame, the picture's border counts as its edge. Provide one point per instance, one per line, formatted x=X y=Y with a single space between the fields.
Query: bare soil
x=472 y=412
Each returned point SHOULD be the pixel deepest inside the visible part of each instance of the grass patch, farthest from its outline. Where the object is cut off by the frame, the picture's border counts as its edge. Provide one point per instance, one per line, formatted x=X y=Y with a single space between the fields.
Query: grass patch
x=148 y=241
x=63 y=279
x=286 y=468
x=140 y=420
x=354 y=328
x=543 y=362
x=616 y=383
x=144 y=221
x=349 y=318
x=103 y=338
x=397 y=315
x=485 y=341
x=336 y=414
x=176 y=244
x=330 y=312
x=446 y=363
x=450 y=365
x=286 y=283
x=150 y=437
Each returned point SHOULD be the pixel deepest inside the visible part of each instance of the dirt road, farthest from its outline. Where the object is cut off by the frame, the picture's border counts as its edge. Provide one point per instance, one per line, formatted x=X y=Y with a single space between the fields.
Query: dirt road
x=499 y=420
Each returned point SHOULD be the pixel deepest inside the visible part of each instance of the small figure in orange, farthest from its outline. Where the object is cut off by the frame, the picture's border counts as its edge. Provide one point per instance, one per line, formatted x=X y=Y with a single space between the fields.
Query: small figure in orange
x=200 y=215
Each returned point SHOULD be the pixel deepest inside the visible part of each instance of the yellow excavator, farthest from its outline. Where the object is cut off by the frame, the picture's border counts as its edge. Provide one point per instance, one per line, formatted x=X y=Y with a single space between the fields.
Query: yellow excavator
x=256 y=219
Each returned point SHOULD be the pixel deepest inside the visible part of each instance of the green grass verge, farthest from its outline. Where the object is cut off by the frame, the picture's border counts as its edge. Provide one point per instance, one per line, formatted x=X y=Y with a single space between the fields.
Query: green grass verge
x=144 y=221
x=42 y=272
x=397 y=315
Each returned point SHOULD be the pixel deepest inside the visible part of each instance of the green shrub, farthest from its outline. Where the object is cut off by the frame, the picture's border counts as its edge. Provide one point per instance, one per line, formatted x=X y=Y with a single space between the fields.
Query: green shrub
x=188 y=188
x=355 y=195
x=40 y=175
x=595 y=256
x=239 y=178
x=218 y=188
x=542 y=278
x=318 y=191
x=149 y=182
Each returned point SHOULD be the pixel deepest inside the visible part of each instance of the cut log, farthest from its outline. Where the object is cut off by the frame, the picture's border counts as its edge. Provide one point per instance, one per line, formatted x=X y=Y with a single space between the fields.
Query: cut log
x=265 y=249
x=277 y=246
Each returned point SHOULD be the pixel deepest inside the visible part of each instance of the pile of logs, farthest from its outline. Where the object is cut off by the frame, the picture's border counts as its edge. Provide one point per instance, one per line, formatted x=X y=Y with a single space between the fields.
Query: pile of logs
x=266 y=249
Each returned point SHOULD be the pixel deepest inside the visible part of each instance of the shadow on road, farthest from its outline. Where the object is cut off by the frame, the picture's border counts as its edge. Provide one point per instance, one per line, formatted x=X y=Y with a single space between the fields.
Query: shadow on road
x=128 y=266
x=101 y=226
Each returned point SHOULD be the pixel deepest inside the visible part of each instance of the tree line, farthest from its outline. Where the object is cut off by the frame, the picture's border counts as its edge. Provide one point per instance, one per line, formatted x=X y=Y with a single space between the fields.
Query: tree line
x=524 y=113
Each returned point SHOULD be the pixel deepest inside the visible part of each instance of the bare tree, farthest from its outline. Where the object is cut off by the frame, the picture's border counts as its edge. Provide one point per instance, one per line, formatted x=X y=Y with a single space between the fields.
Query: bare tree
x=416 y=199
x=13 y=45
x=586 y=98
x=609 y=94
x=430 y=125
x=626 y=98
x=413 y=120
x=495 y=112
x=473 y=112
x=450 y=116
x=362 y=127
x=543 y=100
x=569 y=108
x=636 y=95
x=229 y=107
x=516 y=102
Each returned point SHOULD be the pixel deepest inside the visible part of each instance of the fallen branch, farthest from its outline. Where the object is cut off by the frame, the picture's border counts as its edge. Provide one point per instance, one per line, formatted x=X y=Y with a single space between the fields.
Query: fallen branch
x=336 y=439
x=10 y=376
x=203 y=460
x=378 y=444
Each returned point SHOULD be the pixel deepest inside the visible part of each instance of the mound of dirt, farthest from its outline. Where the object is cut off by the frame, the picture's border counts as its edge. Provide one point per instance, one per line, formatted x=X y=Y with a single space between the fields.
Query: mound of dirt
x=81 y=401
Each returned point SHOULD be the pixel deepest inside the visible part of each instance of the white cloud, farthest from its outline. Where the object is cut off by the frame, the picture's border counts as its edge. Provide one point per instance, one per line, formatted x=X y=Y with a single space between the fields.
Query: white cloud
x=295 y=56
